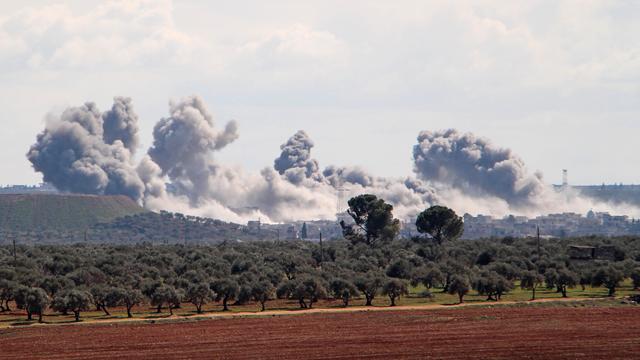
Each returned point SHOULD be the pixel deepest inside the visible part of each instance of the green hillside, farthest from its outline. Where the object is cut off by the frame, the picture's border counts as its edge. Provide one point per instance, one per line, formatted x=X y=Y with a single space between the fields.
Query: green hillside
x=62 y=212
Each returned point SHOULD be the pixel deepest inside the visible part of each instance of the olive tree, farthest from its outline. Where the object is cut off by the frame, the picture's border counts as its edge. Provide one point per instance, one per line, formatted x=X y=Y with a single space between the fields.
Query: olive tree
x=609 y=277
x=531 y=280
x=429 y=276
x=225 y=290
x=8 y=289
x=307 y=291
x=262 y=291
x=566 y=279
x=459 y=285
x=369 y=285
x=73 y=300
x=492 y=284
x=99 y=293
x=126 y=297
x=394 y=288
x=32 y=300
x=166 y=294
x=198 y=295
x=343 y=289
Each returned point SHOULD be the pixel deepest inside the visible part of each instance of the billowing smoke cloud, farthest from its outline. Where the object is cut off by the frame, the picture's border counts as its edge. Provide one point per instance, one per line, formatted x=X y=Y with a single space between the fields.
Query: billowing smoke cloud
x=72 y=155
x=475 y=165
x=295 y=161
x=121 y=123
x=183 y=145
x=86 y=151
x=338 y=176
x=298 y=167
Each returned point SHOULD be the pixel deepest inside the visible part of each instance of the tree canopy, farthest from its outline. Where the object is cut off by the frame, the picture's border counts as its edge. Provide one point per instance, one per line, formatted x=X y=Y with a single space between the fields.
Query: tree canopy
x=373 y=220
x=441 y=223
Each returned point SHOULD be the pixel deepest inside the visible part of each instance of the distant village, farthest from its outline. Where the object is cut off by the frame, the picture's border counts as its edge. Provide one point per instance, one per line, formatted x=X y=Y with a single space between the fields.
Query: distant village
x=475 y=227
x=553 y=225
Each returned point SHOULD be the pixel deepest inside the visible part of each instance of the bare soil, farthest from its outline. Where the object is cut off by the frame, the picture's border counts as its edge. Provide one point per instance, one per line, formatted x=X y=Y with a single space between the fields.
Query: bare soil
x=463 y=333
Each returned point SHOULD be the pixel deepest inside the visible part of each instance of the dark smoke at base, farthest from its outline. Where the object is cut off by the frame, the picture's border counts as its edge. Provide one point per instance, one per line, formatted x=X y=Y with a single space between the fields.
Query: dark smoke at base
x=86 y=151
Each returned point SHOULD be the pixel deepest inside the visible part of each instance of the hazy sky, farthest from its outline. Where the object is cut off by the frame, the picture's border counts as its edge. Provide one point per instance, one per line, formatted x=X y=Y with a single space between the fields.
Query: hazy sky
x=556 y=81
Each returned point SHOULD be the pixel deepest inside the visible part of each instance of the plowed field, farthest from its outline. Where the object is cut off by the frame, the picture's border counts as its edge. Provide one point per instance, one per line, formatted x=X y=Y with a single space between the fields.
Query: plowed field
x=484 y=333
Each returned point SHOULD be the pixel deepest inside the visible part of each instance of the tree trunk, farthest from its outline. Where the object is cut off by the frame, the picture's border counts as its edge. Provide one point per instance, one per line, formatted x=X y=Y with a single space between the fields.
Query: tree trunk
x=533 y=295
x=447 y=281
x=77 y=314
x=29 y=315
x=106 y=312
x=346 y=301
x=224 y=305
x=461 y=296
x=170 y=310
x=7 y=305
x=369 y=300
x=393 y=300
x=612 y=291
x=40 y=317
x=564 y=292
x=262 y=305
x=129 y=312
x=159 y=309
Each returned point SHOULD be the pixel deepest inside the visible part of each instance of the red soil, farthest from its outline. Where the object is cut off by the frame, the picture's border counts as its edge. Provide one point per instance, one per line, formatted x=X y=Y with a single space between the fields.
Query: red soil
x=495 y=333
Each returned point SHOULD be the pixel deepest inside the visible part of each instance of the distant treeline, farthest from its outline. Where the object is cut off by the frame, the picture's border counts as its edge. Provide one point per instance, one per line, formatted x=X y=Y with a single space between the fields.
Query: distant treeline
x=149 y=227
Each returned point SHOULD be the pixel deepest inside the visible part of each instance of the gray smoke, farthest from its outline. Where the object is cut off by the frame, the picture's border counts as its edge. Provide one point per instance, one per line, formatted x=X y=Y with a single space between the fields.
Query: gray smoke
x=339 y=176
x=72 y=154
x=295 y=161
x=183 y=145
x=121 y=123
x=475 y=165
x=86 y=151
x=296 y=165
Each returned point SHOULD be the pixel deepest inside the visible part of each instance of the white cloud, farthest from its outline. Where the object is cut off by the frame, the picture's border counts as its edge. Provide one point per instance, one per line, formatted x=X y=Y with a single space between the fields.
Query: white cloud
x=298 y=44
x=113 y=34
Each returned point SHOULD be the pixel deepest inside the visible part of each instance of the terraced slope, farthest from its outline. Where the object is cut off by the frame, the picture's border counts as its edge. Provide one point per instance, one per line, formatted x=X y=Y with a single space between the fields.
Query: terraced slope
x=27 y=212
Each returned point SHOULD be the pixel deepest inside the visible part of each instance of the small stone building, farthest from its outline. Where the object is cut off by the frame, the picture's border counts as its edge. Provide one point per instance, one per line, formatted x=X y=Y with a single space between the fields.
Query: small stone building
x=605 y=252
x=579 y=252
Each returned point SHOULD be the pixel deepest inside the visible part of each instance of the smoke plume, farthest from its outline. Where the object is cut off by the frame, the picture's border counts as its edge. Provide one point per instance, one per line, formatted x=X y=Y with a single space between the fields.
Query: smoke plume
x=72 y=154
x=183 y=145
x=297 y=166
x=121 y=123
x=295 y=161
x=475 y=165
x=86 y=151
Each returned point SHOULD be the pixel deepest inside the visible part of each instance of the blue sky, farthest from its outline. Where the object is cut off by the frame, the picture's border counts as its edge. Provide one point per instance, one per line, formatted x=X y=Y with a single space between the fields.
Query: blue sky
x=556 y=81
